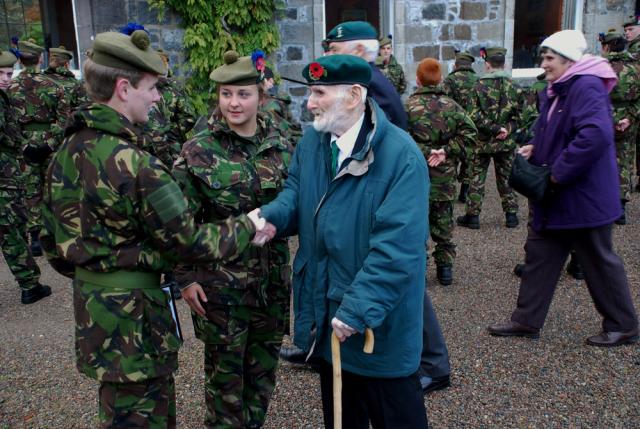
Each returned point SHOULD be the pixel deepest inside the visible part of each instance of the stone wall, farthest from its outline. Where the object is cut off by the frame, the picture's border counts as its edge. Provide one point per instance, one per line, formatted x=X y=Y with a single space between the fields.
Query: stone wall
x=95 y=16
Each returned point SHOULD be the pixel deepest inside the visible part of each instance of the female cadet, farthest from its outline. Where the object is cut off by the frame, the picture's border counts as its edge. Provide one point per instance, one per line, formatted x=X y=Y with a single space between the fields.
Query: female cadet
x=239 y=307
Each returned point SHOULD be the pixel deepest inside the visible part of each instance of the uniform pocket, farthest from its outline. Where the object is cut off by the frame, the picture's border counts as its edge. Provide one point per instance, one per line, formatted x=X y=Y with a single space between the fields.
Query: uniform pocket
x=159 y=328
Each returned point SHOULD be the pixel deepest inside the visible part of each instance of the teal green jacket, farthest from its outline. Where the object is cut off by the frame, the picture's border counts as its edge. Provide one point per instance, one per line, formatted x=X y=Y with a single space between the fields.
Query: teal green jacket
x=362 y=242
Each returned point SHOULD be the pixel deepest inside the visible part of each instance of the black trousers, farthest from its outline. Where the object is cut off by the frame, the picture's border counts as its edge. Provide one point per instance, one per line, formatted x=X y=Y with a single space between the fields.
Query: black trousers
x=393 y=403
x=545 y=255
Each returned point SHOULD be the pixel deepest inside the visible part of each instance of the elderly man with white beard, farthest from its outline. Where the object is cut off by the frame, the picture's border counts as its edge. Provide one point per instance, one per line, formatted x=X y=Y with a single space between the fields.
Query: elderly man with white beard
x=356 y=195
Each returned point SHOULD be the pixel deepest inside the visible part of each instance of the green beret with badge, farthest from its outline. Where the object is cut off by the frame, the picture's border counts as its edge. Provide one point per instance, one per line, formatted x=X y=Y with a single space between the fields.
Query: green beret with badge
x=7 y=59
x=61 y=52
x=242 y=71
x=464 y=56
x=338 y=70
x=124 y=52
x=352 y=30
x=30 y=47
x=632 y=20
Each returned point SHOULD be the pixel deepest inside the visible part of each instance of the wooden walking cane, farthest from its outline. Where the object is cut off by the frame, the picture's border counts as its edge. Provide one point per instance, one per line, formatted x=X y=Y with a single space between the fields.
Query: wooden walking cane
x=337 y=373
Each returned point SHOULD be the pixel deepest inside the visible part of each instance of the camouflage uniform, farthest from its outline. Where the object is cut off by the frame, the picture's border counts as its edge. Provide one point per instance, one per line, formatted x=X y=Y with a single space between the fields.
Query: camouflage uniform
x=114 y=220
x=625 y=99
x=78 y=96
x=63 y=77
x=438 y=122
x=529 y=110
x=634 y=49
x=393 y=71
x=169 y=122
x=495 y=105
x=277 y=107
x=247 y=311
x=13 y=214
x=42 y=111
x=459 y=85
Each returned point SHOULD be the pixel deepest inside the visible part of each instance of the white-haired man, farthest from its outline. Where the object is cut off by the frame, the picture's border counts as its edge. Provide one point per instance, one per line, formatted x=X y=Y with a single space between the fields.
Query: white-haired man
x=356 y=195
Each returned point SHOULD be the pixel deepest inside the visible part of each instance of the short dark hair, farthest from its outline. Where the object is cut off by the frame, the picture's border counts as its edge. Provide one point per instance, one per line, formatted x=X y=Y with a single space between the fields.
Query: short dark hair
x=28 y=59
x=616 y=45
x=100 y=81
x=496 y=61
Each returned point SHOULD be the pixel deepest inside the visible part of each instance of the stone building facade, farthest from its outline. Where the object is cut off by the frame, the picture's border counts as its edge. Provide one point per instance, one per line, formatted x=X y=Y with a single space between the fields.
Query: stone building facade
x=420 y=28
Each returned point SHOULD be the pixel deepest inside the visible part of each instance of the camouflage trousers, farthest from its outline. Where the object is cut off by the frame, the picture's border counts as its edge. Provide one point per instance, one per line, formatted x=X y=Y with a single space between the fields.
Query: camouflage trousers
x=626 y=157
x=34 y=175
x=463 y=172
x=441 y=230
x=13 y=238
x=240 y=361
x=147 y=404
x=479 y=166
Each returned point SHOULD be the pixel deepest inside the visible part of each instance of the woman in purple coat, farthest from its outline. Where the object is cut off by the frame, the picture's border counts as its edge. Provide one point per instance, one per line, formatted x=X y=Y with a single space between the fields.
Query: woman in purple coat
x=574 y=136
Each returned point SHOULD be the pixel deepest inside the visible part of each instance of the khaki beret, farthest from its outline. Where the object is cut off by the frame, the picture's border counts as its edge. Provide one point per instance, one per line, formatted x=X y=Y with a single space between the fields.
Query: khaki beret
x=30 y=47
x=495 y=52
x=385 y=41
x=236 y=70
x=60 y=52
x=632 y=20
x=124 y=52
x=7 y=59
x=464 y=56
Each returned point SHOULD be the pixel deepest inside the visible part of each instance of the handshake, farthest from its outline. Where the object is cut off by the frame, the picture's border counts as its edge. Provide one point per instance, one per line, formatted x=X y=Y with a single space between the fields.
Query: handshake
x=265 y=231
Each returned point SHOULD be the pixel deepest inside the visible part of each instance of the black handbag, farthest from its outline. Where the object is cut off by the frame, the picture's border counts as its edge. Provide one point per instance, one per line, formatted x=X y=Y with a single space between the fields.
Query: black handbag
x=529 y=180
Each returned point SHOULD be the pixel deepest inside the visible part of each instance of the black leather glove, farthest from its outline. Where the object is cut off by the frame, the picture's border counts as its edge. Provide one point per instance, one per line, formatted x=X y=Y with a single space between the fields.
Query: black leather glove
x=36 y=154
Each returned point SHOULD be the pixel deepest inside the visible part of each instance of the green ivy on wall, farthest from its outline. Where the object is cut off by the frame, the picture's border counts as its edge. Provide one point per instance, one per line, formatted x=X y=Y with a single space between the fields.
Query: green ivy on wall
x=214 y=27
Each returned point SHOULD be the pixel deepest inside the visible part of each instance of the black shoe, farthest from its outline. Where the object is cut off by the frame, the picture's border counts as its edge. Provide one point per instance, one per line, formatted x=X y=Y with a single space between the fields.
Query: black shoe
x=574 y=269
x=293 y=354
x=513 y=329
x=517 y=270
x=511 y=220
x=445 y=274
x=36 y=247
x=429 y=384
x=464 y=190
x=469 y=221
x=35 y=294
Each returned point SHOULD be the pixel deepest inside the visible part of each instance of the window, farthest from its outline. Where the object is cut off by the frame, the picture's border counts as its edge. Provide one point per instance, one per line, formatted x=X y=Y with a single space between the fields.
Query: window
x=337 y=11
x=534 y=20
x=22 y=19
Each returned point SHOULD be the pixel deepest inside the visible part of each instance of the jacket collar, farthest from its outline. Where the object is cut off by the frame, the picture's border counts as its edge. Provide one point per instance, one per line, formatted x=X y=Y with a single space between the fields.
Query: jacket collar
x=103 y=118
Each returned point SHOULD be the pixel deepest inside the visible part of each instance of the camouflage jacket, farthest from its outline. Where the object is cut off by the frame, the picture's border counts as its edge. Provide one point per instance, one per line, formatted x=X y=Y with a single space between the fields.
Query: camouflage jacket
x=224 y=174
x=529 y=111
x=277 y=107
x=169 y=122
x=459 y=85
x=78 y=96
x=634 y=47
x=63 y=76
x=438 y=122
x=11 y=161
x=39 y=102
x=112 y=207
x=495 y=105
x=393 y=71
x=625 y=97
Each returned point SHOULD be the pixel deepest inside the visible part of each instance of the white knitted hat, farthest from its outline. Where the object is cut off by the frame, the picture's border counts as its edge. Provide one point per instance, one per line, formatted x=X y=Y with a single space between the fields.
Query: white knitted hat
x=569 y=43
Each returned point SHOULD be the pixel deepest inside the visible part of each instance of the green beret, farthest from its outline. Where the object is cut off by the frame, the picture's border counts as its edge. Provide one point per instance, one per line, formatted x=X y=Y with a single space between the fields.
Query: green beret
x=7 y=59
x=385 y=41
x=124 y=52
x=495 y=52
x=30 y=47
x=465 y=56
x=338 y=70
x=632 y=20
x=610 y=37
x=61 y=52
x=236 y=70
x=352 y=30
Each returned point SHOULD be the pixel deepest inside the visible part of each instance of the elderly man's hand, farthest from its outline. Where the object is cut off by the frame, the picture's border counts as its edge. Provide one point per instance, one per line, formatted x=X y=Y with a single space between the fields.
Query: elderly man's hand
x=265 y=231
x=341 y=329
x=436 y=157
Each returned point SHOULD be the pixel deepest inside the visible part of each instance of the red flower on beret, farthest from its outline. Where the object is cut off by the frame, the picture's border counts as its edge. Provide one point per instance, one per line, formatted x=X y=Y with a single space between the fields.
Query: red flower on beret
x=316 y=71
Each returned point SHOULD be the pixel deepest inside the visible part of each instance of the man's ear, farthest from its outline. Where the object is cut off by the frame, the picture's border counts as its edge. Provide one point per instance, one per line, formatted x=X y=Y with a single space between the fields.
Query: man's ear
x=122 y=89
x=355 y=95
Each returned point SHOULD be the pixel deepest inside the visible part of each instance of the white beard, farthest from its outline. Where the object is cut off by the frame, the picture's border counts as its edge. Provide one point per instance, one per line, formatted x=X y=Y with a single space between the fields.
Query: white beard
x=332 y=120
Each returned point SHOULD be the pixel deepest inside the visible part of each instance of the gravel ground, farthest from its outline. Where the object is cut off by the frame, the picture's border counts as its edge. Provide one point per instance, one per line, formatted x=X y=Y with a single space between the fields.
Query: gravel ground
x=556 y=381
